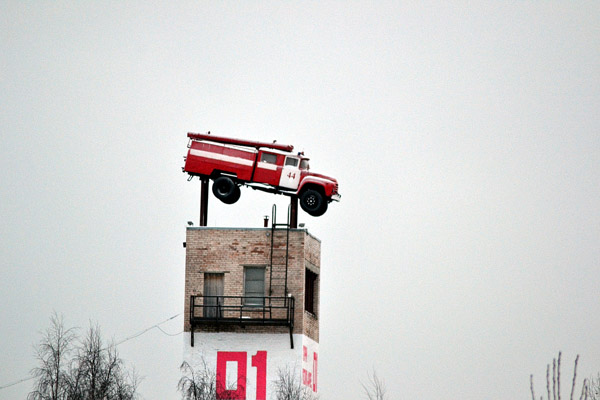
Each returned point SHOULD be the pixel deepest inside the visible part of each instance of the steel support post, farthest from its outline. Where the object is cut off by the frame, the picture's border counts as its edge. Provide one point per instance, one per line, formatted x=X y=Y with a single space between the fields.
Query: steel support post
x=294 y=212
x=204 y=201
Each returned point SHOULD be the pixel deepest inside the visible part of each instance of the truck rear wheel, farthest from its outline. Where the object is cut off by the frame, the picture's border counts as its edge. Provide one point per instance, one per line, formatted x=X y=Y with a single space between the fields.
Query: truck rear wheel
x=313 y=202
x=225 y=189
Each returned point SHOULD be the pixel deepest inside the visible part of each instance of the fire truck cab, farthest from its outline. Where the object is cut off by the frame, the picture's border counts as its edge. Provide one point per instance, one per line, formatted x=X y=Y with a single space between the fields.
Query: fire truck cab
x=270 y=167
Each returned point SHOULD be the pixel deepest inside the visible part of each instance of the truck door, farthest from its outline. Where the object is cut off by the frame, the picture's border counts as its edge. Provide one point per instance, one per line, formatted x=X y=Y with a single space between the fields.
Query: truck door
x=268 y=168
x=290 y=174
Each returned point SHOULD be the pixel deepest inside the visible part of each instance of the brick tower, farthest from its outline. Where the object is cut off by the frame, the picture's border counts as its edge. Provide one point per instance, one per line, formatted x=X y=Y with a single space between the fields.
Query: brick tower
x=252 y=307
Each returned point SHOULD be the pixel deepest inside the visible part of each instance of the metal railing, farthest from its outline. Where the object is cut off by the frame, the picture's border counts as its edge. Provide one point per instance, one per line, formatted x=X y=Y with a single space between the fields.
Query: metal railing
x=242 y=310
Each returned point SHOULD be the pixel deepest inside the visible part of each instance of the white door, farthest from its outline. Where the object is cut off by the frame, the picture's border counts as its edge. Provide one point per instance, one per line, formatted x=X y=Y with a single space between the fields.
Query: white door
x=290 y=173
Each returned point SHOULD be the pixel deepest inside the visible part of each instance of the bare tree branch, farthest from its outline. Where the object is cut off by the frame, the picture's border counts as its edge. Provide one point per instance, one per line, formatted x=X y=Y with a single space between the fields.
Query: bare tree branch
x=548 y=380
x=197 y=384
x=554 y=378
x=375 y=387
x=558 y=375
x=86 y=371
x=52 y=353
x=556 y=392
x=288 y=386
x=594 y=387
x=584 y=391
x=574 y=377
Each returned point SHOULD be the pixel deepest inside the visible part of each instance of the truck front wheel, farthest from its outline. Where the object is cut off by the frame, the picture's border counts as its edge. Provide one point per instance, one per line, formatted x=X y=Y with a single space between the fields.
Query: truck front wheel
x=225 y=189
x=313 y=202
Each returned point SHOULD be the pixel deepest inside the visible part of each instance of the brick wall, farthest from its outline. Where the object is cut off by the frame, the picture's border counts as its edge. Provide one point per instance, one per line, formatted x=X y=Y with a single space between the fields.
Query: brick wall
x=228 y=250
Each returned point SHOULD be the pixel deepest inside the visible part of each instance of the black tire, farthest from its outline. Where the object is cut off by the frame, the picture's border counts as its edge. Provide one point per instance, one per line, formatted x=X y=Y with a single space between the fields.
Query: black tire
x=225 y=189
x=235 y=196
x=313 y=202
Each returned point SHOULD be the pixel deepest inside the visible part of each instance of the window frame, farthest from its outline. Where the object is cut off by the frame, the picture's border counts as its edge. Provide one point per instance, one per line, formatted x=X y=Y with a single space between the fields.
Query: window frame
x=294 y=164
x=248 y=302
x=269 y=158
x=311 y=280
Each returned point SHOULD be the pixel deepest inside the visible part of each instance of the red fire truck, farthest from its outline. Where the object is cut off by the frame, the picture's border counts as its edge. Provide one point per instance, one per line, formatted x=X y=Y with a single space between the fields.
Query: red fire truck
x=270 y=167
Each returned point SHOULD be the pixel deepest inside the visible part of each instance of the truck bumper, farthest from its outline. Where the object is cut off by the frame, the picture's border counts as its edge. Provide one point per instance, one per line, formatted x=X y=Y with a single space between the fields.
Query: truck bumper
x=336 y=197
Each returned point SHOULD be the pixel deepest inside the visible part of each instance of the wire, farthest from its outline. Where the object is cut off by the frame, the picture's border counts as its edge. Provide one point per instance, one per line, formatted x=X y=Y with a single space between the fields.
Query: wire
x=16 y=382
x=169 y=334
x=147 y=329
x=116 y=344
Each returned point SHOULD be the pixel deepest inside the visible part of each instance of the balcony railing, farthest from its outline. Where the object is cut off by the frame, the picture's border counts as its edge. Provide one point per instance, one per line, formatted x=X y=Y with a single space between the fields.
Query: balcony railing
x=241 y=310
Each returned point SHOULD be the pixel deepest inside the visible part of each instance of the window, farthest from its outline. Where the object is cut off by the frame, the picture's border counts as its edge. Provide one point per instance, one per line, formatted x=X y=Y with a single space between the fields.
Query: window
x=310 y=291
x=268 y=158
x=291 y=161
x=254 y=286
x=304 y=164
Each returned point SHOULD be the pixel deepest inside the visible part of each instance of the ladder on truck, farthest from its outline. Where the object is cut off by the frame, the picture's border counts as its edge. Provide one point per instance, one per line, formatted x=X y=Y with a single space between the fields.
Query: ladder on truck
x=280 y=244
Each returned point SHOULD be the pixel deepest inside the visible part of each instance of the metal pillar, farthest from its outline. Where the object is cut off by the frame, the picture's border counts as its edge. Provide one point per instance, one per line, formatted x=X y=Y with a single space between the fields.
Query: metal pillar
x=204 y=201
x=293 y=212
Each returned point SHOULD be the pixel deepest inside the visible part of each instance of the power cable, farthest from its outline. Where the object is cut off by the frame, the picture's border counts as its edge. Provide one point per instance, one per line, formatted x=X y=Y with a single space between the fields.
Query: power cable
x=169 y=334
x=147 y=329
x=16 y=382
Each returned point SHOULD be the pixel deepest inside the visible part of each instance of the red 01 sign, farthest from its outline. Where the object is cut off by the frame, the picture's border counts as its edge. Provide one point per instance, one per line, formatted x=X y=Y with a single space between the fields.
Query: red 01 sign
x=258 y=361
x=309 y=378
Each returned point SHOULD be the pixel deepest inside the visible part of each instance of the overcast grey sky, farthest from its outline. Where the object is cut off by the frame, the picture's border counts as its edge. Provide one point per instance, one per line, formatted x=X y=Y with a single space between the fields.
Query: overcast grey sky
x=465 y=136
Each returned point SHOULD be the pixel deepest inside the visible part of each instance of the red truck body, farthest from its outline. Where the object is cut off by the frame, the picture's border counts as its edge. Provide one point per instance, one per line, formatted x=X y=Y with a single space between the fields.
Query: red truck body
x=270 y=167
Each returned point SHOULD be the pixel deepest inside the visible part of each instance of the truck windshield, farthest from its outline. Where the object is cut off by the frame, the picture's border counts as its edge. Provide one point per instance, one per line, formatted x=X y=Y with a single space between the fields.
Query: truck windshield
x=304 y=164
x=291 y=161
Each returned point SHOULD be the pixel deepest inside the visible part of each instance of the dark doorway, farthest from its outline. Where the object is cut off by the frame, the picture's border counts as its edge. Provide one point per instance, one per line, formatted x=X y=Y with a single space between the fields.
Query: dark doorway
x=213 y=292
